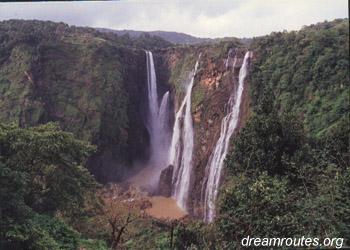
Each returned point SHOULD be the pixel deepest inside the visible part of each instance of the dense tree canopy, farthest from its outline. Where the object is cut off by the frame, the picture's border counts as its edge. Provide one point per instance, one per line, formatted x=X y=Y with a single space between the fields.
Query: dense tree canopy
x=307 y=71
x=41 y=174
x=284 y=183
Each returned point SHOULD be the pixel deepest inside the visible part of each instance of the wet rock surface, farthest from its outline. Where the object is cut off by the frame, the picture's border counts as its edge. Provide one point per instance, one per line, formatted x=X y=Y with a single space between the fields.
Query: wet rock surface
x=164 y=186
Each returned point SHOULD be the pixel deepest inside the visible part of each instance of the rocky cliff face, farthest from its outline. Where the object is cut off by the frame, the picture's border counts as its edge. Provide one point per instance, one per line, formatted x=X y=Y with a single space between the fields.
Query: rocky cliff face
x=213 y=86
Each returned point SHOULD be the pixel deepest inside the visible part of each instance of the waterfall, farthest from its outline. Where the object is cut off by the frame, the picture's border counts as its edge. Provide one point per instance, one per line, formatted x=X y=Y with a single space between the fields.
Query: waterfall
x=216 y=159
x=181 y=149
x=164 y=110
x=152 y=123
x=230 y=54
x=157 y=122
x=164 y=131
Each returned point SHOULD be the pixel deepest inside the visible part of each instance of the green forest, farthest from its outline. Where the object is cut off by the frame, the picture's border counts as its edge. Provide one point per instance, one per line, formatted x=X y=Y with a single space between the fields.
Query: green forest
x=287 y=173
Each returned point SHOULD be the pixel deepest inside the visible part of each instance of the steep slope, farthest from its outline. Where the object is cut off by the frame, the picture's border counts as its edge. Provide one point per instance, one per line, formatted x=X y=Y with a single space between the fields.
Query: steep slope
x=307 y=71
x=91 y=85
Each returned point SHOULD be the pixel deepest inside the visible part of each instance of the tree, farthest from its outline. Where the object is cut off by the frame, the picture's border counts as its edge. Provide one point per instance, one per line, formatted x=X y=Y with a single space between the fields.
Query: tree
x=41 y=174
x=121 y=209
x=284 y=183
x=266 y=143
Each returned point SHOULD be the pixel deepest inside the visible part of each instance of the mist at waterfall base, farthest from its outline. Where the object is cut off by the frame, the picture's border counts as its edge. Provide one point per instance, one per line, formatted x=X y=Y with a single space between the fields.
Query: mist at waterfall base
x=228 y=126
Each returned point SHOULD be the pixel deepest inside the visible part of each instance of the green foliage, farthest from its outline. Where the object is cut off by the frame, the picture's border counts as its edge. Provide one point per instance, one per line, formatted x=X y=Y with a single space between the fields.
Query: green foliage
x=285 y=184
x=148 y=41
x=179 y=74
x=41 y=174
x=255 y=207
x=268 y=142
x=41 y=232
x=93 y=244
x=195 y=235
x=336 y=143
x=307 y=71
x=18 y=31
x=198 y=96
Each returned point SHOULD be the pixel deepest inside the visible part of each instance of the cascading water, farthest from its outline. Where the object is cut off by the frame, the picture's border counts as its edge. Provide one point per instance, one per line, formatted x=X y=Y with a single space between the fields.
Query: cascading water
x=216 y=160
x=164 y=130
x=152 y=123
x=231 y=52
x=181 y=149
x=157 y=123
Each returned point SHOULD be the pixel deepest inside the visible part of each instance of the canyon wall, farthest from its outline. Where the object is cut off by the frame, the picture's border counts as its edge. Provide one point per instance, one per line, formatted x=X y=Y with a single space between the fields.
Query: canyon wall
x=213 y=85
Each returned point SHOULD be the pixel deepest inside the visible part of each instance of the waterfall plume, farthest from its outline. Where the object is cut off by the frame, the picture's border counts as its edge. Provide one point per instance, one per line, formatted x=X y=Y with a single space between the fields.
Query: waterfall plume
x=216 y=159
x=181 y=150
x=157 y=123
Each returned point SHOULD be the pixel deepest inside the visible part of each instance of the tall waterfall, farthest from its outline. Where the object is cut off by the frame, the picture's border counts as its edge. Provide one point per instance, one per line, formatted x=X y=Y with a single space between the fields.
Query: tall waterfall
x=157 y=120
x=181 y=149
x=153 y=108
x=164 y=131
x=216 y=160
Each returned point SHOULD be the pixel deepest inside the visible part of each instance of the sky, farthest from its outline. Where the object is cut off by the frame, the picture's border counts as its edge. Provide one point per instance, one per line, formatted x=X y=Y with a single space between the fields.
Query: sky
x=202 y=18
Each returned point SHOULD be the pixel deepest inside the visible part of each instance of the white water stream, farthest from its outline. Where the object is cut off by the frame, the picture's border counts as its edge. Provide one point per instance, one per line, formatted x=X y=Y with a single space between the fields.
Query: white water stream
x=216 y=160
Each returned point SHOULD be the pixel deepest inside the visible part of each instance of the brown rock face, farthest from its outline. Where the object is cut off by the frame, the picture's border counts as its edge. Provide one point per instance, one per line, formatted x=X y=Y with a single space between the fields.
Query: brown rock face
x=164 y=186
x=214 y=83
x=208 y=123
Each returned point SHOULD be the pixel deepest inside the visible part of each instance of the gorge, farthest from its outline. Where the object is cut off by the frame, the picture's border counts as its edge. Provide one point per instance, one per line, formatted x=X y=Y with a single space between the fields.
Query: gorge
x=222 y=139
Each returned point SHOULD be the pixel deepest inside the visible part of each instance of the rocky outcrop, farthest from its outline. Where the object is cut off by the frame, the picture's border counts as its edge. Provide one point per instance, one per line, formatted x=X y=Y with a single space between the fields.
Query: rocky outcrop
x=165 y=187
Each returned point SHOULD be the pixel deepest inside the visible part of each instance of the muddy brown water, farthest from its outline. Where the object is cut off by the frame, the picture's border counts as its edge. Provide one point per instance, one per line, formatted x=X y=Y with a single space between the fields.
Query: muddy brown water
x=162 y=207
x=165 y=208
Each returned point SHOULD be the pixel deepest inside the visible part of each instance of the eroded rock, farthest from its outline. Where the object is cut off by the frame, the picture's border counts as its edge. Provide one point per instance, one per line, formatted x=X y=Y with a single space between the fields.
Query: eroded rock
x=164 y=186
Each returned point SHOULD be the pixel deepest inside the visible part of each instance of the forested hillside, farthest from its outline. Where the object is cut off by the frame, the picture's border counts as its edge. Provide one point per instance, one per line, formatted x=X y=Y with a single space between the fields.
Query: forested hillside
x=172 y=37
x=307 y=71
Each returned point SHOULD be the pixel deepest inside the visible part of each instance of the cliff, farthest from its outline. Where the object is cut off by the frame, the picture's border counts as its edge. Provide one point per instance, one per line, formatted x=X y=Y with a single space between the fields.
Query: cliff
x=213 y=85
x=91 y=85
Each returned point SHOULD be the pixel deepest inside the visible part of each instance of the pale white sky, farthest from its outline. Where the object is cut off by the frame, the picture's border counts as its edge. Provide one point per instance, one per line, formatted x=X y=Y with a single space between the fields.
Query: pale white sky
x=203 y=18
